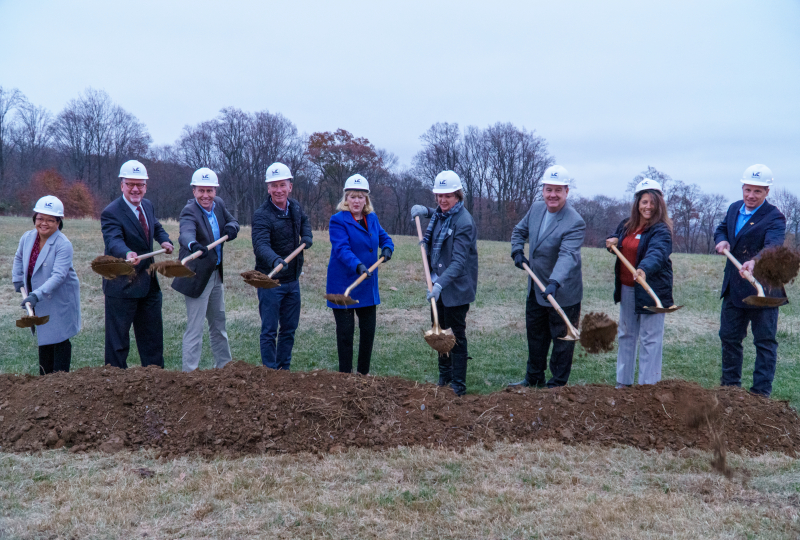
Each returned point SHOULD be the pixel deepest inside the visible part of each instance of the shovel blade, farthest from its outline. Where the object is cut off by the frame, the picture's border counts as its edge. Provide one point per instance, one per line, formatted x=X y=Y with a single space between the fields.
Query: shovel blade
x=441 y=341
x=28 y=322
x=764 y=301
x=258 y=280
x=670 y=309
x=113 y=270
x=172 y=269
x=340 y=299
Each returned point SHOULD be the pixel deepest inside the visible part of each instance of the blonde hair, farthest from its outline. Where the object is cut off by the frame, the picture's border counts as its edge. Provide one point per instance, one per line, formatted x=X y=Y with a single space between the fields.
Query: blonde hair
x=344 y=205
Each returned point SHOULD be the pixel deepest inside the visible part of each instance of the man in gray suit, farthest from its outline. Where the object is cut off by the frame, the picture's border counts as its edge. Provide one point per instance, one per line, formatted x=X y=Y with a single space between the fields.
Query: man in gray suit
x=204 y=219
x=555 y=232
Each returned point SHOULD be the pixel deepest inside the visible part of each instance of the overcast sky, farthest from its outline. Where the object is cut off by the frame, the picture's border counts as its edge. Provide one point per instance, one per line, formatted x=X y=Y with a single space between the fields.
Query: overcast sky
x=697 y=89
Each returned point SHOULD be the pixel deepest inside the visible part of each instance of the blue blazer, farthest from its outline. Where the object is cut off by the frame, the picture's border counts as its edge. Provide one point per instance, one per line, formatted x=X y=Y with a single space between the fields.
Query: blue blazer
x=767 y=227
x=351 y=245
x=55 y=284
x=122 y=233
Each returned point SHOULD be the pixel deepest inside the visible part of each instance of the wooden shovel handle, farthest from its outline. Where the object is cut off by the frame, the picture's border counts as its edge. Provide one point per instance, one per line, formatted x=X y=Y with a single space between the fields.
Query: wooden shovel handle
x=148 y=255
x=363 y=276
x=747 y=274
x=291 y=256
x=210 y=246
x=550 y=299
x=636 y=277
x=435 y=315
x=27 y=304
x=424 y=256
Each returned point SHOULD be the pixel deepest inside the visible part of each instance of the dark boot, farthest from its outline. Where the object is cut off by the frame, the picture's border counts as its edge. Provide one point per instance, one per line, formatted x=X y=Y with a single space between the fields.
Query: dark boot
x=459 y=382
x=445 y=369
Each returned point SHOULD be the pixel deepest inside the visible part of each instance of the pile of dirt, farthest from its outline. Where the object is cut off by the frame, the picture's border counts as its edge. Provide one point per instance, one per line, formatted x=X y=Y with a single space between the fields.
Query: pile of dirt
x=598 y=332
x=246 y=409
x=776 y=266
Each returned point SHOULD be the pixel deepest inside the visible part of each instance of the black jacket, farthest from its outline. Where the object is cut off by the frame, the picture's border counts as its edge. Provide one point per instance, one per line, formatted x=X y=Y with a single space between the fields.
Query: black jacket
x=275 y=235
x=195 y=227
x=652 y=256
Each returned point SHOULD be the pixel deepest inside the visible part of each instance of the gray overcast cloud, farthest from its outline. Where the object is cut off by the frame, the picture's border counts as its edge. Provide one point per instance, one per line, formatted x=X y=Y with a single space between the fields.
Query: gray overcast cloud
x=699 y=90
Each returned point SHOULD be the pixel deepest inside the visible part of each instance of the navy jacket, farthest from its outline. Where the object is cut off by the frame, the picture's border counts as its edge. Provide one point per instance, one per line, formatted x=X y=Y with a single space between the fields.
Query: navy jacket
x=351 y=245
x=652 y=256
x=122 y=233
x=275 y=235
x=767 y=227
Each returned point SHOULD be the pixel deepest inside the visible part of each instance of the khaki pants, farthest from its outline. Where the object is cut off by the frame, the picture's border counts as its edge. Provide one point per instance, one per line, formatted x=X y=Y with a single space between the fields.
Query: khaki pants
x=209 y=305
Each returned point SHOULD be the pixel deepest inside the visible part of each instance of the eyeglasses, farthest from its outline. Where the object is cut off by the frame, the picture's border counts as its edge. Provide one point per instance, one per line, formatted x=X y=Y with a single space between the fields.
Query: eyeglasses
x=137 y=185
x=48 y=221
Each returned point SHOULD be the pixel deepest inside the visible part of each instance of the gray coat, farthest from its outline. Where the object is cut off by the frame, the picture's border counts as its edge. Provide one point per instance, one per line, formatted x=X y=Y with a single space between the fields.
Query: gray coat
x=55 y=283
x=556 y=255
x=457 y=267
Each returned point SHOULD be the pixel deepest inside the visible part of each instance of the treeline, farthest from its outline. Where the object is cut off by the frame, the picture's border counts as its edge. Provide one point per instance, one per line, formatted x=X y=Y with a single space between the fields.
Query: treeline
x=76 y=155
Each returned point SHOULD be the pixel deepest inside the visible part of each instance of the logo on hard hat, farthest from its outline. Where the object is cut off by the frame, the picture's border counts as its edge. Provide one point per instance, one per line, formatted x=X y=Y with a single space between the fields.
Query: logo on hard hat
x=136 y=169
x=205 y=177
x=48 y=205
x=357 y=181
x=443 y=182
x=756 y=174
x=554 y=174
x=275 y=171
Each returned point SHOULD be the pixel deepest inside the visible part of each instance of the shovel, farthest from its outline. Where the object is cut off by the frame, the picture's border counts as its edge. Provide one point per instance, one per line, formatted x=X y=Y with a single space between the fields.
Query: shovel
x=173 y=269
x=760 y=299
x=114 y=267
x=260 y=281
x=572 y=332
x=30 y=320
x=440 y=340
x=344 y=299
x=659 y=308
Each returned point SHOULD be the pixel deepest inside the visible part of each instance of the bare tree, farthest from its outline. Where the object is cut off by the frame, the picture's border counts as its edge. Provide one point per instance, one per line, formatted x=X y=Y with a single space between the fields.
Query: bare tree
x=710 y=213
x=788 y=203
x=9 y=100
x=441 y=151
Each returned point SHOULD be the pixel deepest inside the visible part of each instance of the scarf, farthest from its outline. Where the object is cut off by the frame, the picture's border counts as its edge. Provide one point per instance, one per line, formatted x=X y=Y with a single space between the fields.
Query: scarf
x=436 y=246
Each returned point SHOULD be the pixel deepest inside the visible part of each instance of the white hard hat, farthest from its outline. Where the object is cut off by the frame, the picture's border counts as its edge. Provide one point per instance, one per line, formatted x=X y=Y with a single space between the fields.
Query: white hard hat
x=447 y=182
x=556 y=176
x=205 y=177
x=757 y=175
x=357 y=182
x=133 y=169
x=278 y=171
x=648 y=183
x=49 y=205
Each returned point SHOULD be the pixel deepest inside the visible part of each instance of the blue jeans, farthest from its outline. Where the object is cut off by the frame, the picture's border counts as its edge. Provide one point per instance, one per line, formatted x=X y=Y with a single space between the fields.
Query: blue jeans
x=732 y=331
x=278 y=306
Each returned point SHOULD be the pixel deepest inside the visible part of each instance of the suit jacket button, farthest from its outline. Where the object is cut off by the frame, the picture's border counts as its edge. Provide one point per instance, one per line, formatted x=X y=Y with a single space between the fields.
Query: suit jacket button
x=370 y=250
x=440 y=265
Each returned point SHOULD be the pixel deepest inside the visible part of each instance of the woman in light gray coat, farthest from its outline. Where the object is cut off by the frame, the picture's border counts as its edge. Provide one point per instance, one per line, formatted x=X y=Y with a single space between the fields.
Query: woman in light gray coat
x=43 y=266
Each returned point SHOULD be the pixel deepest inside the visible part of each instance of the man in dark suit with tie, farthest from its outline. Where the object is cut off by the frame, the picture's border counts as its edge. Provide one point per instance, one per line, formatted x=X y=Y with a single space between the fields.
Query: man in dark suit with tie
x=129 y=227
x=750 y=225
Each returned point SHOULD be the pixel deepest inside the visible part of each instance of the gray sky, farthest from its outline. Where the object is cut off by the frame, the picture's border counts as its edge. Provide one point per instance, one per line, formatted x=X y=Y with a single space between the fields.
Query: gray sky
x=699 y=90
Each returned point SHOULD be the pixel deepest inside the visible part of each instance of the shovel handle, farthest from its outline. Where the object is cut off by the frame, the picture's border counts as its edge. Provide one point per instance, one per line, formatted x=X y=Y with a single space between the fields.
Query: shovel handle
x=747 y=274
x=210 y=246
x=435 y=315
x=363 y=276
x=636 y=277
x=27 y=304
x=550 y=299
x=291 y=256
x=148 y=255
x=424 y=257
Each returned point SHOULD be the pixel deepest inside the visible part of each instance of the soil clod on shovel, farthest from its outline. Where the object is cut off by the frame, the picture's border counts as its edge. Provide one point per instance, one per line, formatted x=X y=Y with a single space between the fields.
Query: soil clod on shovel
x=598 y=332
x=344 y=299
x=111 y=267
x=30 y=320
x=443 y=342
x=170 y=269
x=259 y=280
x=776 y=266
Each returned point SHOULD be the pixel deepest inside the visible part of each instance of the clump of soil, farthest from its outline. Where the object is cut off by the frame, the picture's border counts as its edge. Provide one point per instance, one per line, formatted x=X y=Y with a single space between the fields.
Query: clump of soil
x=246 y=409
x=340 y=299
x=259 y=280
x=442 y=342
x=170 y=269
x=598 y=332
x=111 y=267
x=776 y=266
x=708 y=414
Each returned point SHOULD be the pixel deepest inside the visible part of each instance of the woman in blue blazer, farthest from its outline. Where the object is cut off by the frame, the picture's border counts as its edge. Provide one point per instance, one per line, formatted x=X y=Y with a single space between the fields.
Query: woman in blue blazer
x=43 y=265
x=357 y=240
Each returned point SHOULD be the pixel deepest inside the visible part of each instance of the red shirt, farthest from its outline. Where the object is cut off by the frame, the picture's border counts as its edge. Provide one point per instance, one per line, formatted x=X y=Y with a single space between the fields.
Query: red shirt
x=34 y=256
x=629 y=247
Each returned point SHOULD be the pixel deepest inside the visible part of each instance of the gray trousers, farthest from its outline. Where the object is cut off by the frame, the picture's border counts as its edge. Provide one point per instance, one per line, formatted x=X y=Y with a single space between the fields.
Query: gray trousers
x=642 y=332
x=209 y=305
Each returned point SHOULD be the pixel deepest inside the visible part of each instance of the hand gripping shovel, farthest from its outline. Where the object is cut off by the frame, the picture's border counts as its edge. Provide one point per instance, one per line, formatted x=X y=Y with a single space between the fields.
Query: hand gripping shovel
x=572 y=332
x=260 y=281
x=30 y=320
x=344 y=299
x=440 y=340
x=172 y=269
x=113 y=267
x=760 y=299
x=659 y=308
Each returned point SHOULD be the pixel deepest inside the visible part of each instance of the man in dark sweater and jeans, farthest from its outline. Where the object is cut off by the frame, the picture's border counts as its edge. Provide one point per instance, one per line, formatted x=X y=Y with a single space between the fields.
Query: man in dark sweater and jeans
x=279 y=227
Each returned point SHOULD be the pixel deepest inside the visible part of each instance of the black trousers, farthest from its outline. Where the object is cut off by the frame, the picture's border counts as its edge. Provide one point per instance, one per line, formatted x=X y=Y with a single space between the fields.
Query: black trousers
x=454 y=318
x=545 y=326
x=55 y=357
x=345 y=330
x=145 y=316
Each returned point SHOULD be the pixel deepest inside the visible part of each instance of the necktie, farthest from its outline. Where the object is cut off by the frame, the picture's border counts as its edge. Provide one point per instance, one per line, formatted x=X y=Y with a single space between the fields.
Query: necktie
x=144 y=224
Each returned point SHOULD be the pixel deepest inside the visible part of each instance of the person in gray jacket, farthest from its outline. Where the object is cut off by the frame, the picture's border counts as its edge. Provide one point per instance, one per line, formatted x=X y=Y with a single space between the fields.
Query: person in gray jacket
x=204 y=220
x=451 y=243
x=43 y=266
x=555 y=232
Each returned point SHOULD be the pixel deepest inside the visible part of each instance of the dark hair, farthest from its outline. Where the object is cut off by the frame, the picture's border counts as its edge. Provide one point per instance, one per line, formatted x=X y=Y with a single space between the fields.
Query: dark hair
x=661 y=216
x=60 y=220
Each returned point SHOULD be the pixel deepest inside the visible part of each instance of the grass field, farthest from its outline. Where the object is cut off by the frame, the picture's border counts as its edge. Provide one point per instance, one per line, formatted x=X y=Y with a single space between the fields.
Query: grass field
x=513 y=491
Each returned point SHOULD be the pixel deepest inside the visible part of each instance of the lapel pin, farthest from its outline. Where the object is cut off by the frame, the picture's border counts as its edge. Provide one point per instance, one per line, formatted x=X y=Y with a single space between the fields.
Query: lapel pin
x=751 y=223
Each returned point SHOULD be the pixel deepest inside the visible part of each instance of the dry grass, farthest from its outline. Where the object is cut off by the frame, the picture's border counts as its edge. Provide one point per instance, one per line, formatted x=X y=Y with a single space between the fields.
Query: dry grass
x=544 y=490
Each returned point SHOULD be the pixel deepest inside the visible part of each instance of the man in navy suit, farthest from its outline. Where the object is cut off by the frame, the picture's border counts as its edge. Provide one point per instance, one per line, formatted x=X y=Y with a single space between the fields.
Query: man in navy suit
x=750 y=225
x=129 y=227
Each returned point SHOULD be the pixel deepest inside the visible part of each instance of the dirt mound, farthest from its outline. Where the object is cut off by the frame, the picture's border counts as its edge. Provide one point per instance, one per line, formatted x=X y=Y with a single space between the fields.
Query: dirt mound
x=598 y=332
x=776 y=266
x=244 y=409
